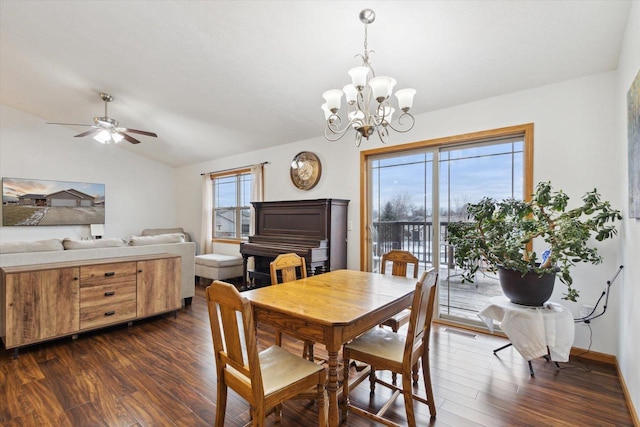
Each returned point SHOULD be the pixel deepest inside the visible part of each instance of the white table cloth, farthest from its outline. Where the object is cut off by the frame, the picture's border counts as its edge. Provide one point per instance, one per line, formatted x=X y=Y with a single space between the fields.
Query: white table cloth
x=533 y=331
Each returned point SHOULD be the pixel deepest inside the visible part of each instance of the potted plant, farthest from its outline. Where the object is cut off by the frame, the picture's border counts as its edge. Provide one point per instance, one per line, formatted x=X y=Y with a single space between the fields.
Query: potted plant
x=500 y=236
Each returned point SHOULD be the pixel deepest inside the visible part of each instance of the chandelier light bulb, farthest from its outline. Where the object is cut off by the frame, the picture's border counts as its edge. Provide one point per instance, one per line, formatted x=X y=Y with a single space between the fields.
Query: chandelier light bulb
x=327 y=112
x=333 y=98
x=405 y=98
x=350 y=93
x=380 y=87
x=359 y=76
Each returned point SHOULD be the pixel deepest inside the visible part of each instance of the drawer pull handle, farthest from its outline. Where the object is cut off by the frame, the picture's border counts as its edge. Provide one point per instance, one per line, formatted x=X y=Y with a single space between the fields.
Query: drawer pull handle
x=109 y=294
x=110 y=273
x=110 y=313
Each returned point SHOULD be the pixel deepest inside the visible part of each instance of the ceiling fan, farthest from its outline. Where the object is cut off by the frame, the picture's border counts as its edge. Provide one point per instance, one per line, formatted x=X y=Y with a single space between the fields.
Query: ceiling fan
x=106 y=130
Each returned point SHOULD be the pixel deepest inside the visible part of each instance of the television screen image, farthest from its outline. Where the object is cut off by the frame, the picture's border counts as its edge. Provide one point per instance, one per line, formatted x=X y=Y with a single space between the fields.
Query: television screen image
x=36 y=202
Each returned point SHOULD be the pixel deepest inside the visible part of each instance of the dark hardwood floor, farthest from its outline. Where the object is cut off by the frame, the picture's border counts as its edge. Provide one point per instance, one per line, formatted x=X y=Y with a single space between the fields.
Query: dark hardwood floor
x=160 y=372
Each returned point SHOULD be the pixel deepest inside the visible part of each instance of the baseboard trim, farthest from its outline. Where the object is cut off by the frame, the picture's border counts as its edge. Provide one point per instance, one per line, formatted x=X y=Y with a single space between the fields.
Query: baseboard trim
x=593 y=356
x=627 y=397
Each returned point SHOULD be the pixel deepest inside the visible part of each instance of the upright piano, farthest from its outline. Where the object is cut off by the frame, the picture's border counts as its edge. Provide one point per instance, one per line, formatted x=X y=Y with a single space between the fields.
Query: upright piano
x=314 y=229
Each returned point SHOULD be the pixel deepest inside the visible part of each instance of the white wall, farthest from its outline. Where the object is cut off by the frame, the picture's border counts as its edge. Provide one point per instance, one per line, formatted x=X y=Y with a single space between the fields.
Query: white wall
x=139 y=192
x=574 y=148
x=629 y=295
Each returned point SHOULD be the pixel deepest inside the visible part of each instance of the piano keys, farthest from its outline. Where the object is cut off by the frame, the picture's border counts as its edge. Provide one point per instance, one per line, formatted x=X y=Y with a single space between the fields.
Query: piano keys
x=314 y=229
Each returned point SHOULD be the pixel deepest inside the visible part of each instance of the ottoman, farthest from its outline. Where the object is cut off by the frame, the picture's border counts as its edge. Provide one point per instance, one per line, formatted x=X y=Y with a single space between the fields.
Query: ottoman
x=218 y=266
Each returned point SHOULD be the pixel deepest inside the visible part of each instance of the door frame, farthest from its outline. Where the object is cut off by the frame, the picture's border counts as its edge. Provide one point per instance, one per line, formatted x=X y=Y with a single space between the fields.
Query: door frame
x=526 y=130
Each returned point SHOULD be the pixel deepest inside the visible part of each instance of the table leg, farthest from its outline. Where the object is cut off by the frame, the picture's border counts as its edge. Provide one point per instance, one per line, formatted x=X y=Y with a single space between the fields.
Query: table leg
x=332 y=389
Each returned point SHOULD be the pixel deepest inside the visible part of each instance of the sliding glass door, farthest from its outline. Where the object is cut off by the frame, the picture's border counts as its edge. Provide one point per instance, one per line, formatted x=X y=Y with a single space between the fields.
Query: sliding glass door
x=414 y=191
x=402 y=206
x=469 y=173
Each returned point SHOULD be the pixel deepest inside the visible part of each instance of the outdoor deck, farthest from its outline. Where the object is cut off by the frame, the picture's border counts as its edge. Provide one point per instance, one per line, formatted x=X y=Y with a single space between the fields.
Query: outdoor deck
x=465 y=300
x=457 y=299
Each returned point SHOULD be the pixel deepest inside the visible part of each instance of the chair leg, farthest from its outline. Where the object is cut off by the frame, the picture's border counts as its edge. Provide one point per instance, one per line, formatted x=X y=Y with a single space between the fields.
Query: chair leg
x=372 y=380
x=415 y=374
x=257 y=416
x=221 y=404
x=407 y=393
x=394 y=376
x=278 y=411
x=345 y=383
x=279 y=338
x=323 y=406
x=307 y=353
x=426 y=375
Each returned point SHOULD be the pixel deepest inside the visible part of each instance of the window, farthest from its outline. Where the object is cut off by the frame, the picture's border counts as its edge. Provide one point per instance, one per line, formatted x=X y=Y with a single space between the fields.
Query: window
x=411 y=192
x=231 y=204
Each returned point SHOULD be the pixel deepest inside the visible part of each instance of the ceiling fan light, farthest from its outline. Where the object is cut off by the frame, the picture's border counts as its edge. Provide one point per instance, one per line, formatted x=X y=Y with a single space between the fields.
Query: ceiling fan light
x=117 y=137
x=104 y=137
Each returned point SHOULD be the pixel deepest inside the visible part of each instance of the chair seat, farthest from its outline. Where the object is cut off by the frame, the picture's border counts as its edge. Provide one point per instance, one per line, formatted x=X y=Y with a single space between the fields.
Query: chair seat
x=280 y=368
x=380 y=343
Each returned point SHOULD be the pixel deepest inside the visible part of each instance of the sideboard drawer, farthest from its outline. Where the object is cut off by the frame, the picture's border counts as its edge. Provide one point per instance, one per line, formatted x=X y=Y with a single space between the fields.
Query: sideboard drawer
x=107 y=273
x=105 y=314
x=116 y=293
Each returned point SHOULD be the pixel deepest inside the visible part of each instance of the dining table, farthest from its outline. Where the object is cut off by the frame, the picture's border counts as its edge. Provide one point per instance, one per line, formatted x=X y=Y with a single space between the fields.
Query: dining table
x=332 y=309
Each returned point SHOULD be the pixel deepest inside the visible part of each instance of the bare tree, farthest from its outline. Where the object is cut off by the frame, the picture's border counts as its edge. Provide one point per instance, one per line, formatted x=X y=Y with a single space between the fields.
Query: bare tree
x=399 y=207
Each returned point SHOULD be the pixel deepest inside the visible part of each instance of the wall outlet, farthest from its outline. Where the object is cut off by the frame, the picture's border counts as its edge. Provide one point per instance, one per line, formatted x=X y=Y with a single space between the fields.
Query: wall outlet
x=586 y=310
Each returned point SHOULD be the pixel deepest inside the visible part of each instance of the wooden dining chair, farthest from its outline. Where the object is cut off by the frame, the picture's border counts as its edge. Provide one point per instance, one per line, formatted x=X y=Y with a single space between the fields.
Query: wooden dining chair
x=264 y=379
x=400 y=260
x=386 y=350
x=290 y=267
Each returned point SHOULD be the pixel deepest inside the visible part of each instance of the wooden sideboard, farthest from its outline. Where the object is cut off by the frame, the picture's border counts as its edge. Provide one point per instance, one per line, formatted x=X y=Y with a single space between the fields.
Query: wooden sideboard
x=46 y=301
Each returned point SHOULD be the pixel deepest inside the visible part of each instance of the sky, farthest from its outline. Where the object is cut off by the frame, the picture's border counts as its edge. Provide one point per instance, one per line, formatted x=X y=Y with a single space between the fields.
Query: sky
x=466 y=175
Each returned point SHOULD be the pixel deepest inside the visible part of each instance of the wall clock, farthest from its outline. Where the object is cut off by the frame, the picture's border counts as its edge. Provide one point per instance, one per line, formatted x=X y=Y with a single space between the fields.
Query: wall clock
x=305 y=170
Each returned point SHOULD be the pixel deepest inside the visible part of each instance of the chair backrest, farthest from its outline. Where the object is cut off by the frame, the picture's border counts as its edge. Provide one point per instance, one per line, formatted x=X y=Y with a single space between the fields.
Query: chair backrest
x=422 y=308
x=400 y=261
x=234 y=346
x=287 y=265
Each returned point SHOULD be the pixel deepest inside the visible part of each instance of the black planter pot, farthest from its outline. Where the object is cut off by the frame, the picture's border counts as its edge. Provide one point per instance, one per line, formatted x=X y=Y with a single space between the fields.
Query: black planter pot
x=531 y=289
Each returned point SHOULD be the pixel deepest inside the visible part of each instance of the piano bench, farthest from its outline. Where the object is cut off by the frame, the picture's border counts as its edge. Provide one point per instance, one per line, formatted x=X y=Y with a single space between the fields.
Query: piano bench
x=218 y=266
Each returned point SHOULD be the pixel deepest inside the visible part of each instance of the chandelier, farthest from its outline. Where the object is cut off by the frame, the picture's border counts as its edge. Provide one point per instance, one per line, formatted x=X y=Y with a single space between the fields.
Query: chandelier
x=369 y=109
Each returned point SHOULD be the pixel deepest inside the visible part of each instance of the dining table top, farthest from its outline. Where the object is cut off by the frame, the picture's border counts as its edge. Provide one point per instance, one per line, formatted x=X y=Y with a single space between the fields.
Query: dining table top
x=335 y=298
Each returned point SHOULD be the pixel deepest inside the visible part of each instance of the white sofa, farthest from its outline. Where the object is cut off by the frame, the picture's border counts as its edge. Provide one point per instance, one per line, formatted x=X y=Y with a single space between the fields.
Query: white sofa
x=49 y=254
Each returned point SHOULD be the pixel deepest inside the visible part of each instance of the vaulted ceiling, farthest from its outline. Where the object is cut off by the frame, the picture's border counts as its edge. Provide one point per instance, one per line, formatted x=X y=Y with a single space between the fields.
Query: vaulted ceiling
x=217 y=78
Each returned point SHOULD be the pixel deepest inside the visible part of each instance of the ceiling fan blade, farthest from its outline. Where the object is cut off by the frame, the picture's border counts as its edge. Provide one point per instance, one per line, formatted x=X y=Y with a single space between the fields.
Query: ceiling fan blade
x=129 y=138
x=141 y=132
x=87 y=133
x=68 y=124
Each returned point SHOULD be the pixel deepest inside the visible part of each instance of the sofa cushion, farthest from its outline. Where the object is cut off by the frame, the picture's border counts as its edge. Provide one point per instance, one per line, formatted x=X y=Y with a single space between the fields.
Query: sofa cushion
x=218 y=260
x=35 y=246
x=156 y=231
x=156 y=240
x=70 y=244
